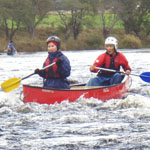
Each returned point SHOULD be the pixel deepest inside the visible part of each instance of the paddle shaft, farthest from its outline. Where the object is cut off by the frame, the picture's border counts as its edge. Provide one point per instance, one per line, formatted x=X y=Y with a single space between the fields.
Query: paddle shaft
x=40 y=69
x=111 y=70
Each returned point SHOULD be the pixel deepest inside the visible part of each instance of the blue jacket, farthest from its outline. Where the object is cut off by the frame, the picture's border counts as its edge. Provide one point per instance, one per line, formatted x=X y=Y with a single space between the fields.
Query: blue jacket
x=11 y=49
x=56 y=76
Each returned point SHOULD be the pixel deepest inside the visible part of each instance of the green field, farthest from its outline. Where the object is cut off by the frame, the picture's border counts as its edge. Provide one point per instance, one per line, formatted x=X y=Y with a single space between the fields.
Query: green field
x=51 y=20
x=89 y=21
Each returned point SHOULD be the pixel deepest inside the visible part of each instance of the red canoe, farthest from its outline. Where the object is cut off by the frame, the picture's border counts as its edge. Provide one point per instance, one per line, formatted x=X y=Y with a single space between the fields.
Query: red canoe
x=51 y=96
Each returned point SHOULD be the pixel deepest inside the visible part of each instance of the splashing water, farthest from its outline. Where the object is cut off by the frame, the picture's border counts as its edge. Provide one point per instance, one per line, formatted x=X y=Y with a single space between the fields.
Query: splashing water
x=83 y=124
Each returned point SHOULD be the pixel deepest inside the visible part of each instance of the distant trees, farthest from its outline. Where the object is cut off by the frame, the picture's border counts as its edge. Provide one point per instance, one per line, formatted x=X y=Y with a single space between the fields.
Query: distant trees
x=34 y=13
x=103 y=7
x=28 y=14
x=74 y=20
x=135 y=16
x=10 y=17
x=15 y=14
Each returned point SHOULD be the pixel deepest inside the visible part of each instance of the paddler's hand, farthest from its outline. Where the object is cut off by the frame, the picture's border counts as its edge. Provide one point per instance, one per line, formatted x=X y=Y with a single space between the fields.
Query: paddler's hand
x=37 y=71
x=59 y=61
x=92 y=68
x=128 y=72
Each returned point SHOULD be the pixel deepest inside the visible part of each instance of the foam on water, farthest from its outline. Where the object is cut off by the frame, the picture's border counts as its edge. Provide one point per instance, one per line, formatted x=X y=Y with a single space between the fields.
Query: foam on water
x=83 y=124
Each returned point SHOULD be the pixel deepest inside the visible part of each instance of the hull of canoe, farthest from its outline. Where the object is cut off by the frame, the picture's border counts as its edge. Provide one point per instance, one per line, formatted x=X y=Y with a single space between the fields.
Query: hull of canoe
x=51 y=96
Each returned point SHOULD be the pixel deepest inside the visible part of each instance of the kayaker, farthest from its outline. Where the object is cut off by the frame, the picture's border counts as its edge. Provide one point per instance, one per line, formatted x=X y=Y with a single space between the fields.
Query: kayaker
x=55 y=76
x=111 y=59
x=11 y=49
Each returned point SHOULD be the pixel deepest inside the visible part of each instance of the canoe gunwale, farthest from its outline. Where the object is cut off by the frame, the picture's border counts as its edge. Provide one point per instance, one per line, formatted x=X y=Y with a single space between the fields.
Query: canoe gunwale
x=81 y=88
x=75 y=88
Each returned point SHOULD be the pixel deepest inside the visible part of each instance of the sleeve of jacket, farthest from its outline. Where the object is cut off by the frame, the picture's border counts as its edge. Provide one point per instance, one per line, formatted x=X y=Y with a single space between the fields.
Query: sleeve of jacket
x=99 y=61
x=64 y=69
x=125 y=64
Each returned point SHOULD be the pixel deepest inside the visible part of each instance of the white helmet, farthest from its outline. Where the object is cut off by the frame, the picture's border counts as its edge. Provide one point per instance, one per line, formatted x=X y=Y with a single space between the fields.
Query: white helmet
x=112 y=40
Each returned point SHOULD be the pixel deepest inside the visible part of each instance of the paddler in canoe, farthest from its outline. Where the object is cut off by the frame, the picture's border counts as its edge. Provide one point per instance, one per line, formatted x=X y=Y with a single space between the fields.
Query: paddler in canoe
x=111 y=59
x=11 y=49
x=55 y=76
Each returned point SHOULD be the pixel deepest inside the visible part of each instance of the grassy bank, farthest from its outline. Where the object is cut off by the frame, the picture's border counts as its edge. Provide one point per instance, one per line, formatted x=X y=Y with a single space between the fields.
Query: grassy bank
x=91 y=36
x=88 y=39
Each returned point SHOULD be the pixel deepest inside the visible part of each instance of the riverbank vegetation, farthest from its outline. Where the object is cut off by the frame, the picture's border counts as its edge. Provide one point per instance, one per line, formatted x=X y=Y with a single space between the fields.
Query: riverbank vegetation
x=80 y=24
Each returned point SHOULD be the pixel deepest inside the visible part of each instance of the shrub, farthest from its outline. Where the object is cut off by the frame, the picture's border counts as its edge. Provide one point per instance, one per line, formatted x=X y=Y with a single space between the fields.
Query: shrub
x=94 y=42
x=31 y=46
x=130 y=41
x=87 y=40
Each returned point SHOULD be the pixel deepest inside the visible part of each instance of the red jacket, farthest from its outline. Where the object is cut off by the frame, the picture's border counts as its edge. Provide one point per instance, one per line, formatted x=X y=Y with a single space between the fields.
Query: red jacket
x=104 y=60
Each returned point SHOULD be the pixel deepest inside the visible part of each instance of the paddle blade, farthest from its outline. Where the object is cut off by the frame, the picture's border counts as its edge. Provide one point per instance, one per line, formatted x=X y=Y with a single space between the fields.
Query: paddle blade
x=145 y=76
x=10 y=84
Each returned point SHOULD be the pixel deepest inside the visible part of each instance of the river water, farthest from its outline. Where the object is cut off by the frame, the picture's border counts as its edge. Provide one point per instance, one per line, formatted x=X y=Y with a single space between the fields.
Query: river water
x=87 y=124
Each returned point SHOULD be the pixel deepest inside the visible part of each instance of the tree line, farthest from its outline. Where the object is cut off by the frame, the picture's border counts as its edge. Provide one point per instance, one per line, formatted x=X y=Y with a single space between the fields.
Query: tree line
x=27 y=15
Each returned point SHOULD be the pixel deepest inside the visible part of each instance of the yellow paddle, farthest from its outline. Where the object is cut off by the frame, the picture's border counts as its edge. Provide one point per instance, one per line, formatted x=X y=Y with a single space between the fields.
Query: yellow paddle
x=13 y=83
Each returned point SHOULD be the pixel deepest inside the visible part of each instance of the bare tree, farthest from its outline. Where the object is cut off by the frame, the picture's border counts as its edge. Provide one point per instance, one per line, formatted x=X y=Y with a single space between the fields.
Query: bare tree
x=74 y=19
x=106 y=9
x=35 y=11
x=135 y=16
x=10 y=17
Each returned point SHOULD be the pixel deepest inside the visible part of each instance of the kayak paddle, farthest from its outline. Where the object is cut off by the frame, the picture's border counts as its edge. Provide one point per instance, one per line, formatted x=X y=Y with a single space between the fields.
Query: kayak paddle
x=145 y=76
x=13 y=83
